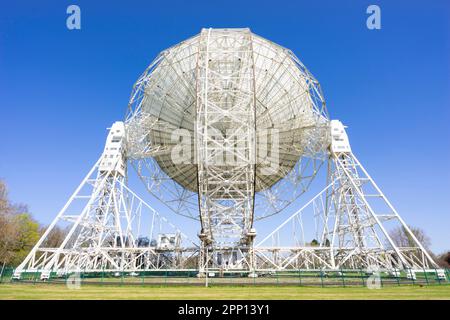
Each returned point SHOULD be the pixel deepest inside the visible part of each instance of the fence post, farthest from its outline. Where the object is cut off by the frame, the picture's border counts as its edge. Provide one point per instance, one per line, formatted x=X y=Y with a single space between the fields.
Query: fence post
x=165 y=279
x=321 y=277
x=397 y=277
x=412 y=277
x=362 y=277
x=381 y=278
x=49 y=277
x=342 y=277
x=1 y=272
x=300 y=276
x=425 y=274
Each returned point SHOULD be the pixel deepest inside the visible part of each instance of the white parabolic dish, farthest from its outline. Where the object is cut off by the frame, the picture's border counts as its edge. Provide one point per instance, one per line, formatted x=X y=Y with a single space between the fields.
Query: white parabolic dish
x=286 y=98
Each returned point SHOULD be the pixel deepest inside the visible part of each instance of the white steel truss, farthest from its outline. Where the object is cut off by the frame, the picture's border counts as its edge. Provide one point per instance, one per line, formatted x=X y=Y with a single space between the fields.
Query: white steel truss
x=242 y=105
x=226 y=165
x=110 y=228
x=351 y=216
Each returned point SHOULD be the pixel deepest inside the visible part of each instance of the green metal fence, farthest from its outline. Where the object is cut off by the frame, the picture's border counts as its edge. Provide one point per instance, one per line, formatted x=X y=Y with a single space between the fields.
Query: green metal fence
x=319 y=278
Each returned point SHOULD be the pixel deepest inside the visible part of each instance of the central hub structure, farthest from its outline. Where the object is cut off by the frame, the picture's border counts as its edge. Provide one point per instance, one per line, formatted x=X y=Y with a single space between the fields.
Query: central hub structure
x=249 y=112
x=225 y=136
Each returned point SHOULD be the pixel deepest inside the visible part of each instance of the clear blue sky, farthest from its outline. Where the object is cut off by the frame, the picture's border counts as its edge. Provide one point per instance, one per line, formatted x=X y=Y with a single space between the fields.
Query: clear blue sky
x=61 y=89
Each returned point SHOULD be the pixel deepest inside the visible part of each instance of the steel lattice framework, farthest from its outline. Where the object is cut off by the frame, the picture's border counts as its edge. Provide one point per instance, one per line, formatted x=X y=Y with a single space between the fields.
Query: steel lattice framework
x=226 y=128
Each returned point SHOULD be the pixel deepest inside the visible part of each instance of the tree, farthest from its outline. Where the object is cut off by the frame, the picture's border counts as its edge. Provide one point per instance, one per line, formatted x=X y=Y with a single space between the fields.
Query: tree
x=443 y=260
x=27 y=234
x=8 y=237
x=8 y=232
x=55 y=237
x=402 y=238
x=4 y=203
x=18 y=230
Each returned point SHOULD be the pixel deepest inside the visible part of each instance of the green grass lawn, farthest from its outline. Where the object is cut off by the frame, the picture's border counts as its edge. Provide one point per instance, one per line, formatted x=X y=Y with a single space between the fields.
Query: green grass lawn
x=60 y=291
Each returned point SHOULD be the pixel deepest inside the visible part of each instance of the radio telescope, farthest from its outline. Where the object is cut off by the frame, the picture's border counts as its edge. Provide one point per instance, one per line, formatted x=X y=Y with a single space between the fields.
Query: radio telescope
x=226 y=128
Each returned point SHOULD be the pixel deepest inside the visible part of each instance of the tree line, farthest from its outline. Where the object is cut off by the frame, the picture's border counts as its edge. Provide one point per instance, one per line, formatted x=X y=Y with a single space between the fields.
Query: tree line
x=19 y=231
